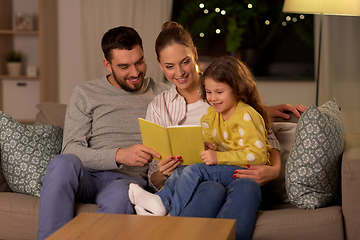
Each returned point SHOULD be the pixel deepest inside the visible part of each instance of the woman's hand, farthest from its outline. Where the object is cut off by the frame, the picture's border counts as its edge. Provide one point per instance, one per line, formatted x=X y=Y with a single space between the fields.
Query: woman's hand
x=262 y=174
x=279 y=110
x=166 y=167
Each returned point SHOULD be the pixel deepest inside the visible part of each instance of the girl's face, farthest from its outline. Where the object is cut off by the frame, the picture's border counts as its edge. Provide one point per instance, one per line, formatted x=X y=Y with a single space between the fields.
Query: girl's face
x=178 y=63
x=220 y=95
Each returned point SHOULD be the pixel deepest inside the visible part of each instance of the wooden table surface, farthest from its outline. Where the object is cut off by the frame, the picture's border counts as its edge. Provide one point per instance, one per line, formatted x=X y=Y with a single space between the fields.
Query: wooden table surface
x=120 y=226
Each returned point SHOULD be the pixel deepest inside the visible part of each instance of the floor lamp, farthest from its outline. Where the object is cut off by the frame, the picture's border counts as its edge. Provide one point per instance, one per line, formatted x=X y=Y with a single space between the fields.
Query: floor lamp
x=322 y=7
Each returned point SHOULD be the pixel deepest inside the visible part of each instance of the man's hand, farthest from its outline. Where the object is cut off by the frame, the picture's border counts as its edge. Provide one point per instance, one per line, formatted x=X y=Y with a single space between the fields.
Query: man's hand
x=209 y=157
x=279 y=110
x=136 y=156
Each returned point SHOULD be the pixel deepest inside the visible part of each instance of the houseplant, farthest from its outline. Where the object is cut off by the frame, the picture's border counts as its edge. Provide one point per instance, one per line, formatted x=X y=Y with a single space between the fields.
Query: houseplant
x=13 y=62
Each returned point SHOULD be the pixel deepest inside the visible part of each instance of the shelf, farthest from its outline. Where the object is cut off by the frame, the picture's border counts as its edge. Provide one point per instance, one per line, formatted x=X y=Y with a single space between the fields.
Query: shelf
x=19 y=32
x=21 y=77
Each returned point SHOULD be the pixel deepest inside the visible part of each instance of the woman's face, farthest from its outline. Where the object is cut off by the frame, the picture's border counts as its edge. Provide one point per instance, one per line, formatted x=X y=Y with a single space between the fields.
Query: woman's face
x=178 y=63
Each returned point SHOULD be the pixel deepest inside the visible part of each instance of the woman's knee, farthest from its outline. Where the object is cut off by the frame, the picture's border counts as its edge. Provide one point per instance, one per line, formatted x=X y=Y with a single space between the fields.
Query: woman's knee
x=246 y=186
x=214 y=188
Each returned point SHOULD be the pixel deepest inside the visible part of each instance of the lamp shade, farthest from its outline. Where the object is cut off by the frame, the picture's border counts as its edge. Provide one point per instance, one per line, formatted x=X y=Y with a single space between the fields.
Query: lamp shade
x=326 y=7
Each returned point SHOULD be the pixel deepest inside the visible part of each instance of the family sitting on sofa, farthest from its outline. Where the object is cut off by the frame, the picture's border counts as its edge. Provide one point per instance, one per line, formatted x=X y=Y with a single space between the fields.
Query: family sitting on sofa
x=101 y=150
x=101 y=133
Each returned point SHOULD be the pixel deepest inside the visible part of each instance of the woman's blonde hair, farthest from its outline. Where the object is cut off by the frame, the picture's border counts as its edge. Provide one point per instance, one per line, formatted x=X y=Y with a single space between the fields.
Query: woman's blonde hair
x=237 y=75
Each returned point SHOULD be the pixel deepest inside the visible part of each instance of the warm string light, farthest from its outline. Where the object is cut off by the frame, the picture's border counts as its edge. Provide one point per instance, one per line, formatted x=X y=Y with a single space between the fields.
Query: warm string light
x=250 y=6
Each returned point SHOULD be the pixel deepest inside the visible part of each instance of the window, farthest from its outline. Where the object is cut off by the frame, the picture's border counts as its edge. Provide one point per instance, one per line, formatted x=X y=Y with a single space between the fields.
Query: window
x=274 y=44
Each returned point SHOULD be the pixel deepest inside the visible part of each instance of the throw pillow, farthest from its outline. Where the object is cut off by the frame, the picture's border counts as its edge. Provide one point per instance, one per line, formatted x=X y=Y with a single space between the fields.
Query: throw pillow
x=312 y=173
x=26 y=151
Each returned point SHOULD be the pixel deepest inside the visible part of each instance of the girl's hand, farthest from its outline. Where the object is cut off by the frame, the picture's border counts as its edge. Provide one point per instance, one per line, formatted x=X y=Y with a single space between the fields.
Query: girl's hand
x=167 y=165
x=209 y=157
x=209 y=146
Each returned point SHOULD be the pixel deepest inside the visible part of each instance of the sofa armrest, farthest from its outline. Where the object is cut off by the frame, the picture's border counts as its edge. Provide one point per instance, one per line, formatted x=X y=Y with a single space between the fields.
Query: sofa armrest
x=350 y=181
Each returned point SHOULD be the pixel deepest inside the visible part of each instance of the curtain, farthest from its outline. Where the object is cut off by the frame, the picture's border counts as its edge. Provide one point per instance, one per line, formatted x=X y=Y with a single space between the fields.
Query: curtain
x=98 y=16
x=340 y=67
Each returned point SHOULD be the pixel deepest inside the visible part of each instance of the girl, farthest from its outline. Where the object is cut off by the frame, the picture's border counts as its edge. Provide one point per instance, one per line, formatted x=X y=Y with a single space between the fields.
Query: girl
x=235 y=133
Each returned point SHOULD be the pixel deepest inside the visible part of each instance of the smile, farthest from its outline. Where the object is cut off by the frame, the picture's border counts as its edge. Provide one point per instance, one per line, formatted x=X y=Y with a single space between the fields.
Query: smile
x=182 y=80
x=216 y=105
x=134 y=80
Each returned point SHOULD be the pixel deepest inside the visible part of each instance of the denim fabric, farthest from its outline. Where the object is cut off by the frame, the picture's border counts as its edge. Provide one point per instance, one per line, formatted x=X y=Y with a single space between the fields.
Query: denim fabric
x=240 y=201
x=67 y=181
x=207 y=201
x=181 y=187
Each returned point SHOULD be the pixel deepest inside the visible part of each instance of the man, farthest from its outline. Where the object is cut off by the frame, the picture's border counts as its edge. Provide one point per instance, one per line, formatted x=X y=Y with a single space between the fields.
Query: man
x=101 y=152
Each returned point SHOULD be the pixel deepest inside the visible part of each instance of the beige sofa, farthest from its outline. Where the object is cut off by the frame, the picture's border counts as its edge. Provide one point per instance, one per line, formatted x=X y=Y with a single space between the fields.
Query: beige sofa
x=278 y=220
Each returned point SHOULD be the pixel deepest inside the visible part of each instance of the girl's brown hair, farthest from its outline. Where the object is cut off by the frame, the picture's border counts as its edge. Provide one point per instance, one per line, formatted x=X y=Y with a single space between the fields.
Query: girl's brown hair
x=171 y=33
x=236 y=74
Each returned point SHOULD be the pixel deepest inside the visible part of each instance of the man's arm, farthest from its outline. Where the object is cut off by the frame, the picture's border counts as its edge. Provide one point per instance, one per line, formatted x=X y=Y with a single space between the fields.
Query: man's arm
x=77 y=132
x=280 y=110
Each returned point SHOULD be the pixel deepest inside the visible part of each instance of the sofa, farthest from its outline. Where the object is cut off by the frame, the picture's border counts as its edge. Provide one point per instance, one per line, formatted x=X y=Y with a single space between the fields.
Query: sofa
x=277 y=219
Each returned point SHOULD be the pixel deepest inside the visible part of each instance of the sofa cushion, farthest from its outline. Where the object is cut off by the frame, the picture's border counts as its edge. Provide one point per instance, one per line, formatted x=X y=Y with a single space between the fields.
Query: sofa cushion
x=275 y=192
x=26 y=150
x=312 y=172
x=19 y=215
x=4 y=187
x=288 y=222
x=51 y=113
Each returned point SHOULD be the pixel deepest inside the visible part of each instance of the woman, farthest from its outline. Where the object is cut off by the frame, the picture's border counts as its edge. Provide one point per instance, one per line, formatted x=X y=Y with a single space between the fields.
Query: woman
x=182 y=105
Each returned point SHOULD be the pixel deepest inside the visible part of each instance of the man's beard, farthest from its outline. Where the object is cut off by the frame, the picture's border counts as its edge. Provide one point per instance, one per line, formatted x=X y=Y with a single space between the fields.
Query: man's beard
x=124 y=86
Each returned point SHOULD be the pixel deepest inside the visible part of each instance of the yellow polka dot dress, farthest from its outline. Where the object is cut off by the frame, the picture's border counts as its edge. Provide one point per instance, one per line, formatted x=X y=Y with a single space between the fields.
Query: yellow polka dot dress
x=241 y=140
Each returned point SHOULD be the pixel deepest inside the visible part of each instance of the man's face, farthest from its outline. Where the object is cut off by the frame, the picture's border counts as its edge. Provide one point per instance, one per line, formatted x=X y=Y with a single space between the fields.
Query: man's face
x=127 y=68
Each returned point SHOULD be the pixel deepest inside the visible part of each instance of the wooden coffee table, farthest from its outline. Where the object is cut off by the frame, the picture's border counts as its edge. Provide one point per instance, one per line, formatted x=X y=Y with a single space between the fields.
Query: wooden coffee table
x=120 y=226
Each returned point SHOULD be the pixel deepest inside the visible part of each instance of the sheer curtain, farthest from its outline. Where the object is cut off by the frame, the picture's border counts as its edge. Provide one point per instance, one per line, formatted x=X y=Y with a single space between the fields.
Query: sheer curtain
x=145 y=16
x=340 y=67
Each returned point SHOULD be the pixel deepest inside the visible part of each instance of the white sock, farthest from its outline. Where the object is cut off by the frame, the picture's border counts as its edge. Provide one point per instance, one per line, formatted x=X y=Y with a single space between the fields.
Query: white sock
x=146 y=200
x=140 y=211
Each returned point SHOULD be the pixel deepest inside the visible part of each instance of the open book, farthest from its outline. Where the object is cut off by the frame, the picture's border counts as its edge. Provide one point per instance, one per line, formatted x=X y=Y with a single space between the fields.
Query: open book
x=184 y=141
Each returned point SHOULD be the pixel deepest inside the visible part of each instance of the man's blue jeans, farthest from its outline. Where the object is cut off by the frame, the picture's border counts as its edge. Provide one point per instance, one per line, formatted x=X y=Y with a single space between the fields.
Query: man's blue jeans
x=67 y=181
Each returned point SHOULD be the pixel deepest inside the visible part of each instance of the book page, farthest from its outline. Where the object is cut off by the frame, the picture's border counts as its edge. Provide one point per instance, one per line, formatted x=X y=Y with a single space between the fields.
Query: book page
x=187 y=142
x=155 y=137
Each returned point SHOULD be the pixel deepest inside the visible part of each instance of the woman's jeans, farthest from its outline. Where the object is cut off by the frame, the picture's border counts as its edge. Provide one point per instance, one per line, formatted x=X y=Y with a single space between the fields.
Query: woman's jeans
x=239 y=199
x=181 y=186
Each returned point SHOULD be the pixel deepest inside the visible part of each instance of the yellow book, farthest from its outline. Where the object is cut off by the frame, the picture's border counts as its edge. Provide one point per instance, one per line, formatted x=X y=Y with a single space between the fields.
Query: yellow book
x=184 y=141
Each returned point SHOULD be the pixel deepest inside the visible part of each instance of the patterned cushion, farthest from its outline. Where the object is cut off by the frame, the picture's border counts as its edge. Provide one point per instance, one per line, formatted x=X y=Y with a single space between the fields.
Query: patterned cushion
x=25 y=152
x=312 y=174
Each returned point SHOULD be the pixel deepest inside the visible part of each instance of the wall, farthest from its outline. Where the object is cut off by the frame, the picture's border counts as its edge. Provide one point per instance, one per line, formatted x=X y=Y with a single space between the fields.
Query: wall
x=292 y=92
x=70 y=48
